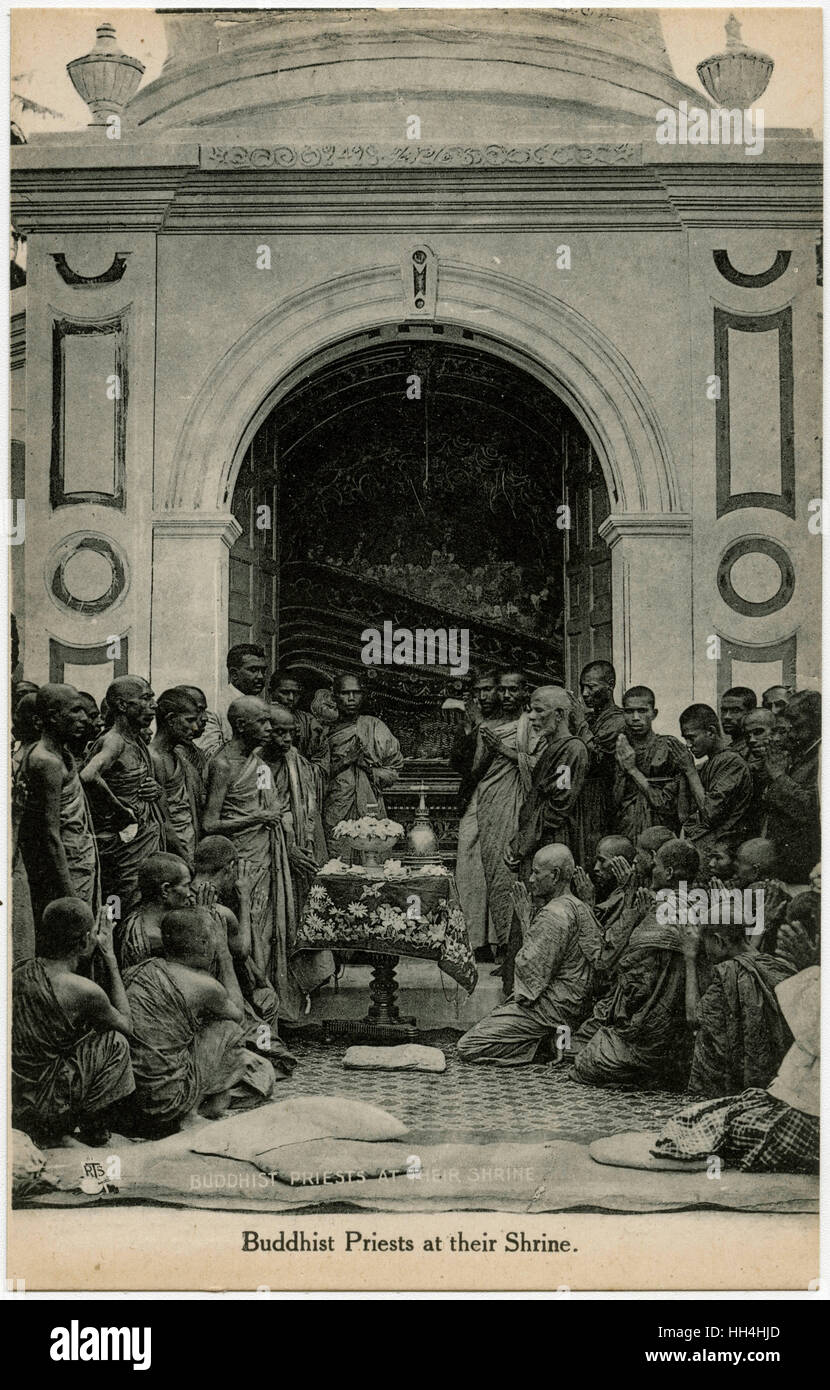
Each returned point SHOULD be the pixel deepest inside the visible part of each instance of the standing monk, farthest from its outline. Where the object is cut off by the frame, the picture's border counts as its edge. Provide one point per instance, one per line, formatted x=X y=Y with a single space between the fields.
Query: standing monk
x=365 y=758
x=713 y=803
x=55 y=832
x=177 y=723
x=294 y=787
x=247 y=672
x=605 y=722
x=646 y=781
x=310 y=738
x=242 y=804
x=126 y=799
x=507 y=751
x=735 y=705
x=482 y=708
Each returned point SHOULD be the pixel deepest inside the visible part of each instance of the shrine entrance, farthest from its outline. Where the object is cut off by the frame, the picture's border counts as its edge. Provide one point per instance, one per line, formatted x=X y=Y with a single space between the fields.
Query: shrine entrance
x=414 y=475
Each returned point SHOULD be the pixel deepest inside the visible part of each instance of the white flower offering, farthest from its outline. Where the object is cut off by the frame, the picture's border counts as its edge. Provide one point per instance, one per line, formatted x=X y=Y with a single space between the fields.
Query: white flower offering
x=368 y=828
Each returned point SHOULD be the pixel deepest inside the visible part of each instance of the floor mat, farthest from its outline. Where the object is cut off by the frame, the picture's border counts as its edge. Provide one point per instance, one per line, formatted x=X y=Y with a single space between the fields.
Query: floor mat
x=495 y=1103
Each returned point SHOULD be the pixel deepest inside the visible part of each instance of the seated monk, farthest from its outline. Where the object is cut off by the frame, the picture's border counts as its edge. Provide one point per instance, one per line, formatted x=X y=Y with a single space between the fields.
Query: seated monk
x=552 y=972
x=741 y=1036
x=187 y=1044
x=606 y=890
x=70 y=1058
x=754 y=868
x=164 y=882
x=220 y=876
x=645 y=1037
x=764 y=1131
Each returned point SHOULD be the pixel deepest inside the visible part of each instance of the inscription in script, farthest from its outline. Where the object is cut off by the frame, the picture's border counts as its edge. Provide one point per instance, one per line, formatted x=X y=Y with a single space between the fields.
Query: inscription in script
x=413 y=156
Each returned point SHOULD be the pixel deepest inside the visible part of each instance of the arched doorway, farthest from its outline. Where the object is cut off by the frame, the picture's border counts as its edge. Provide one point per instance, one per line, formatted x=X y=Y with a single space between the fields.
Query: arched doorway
x=415 y=475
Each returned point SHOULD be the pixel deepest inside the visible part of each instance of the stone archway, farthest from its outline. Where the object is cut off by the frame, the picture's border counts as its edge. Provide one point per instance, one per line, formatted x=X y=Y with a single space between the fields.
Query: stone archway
x=647 y=528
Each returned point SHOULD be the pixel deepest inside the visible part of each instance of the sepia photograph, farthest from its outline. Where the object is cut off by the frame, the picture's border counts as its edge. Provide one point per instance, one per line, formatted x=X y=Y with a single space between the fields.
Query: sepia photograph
x=414 y=602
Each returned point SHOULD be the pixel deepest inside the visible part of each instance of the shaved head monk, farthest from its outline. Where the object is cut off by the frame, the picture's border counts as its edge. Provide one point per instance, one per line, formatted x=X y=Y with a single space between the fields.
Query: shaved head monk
x=553 y=970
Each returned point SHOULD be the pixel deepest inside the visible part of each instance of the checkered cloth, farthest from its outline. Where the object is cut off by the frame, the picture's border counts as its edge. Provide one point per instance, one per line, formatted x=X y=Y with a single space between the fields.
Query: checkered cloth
x=752 y=1131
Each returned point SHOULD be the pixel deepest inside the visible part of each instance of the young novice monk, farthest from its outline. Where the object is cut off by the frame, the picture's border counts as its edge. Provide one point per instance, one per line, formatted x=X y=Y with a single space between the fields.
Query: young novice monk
x=187 y=1046
x=646 y=781
x=714 y=802
x=70 y=1058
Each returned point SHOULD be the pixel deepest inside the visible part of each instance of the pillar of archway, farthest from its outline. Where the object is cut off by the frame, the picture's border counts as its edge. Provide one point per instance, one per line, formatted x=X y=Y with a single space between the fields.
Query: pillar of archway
x=648 y=531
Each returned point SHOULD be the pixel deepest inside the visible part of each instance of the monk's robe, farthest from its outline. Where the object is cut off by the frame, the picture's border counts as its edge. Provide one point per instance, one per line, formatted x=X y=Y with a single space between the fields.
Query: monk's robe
x=350 y=790
x=76 y=837
x=741 y=1033
x=295 y=788
x=62 y=1071
x=216 y=734
x=196 y=767
x=727 y=782
x=133 y=945
x=634 y=811
x=23 y=922
x=551 y=813
x=597 y=803
x=273 y=917
x=617 y=918
x=489 y=827
x=793 y=816
x=180 y=794
x=123 y=851
x=470 y=878
x=646 y=1036
x=775 y=1130
x=179 y=1059
x=553 y=972
x=312 y=744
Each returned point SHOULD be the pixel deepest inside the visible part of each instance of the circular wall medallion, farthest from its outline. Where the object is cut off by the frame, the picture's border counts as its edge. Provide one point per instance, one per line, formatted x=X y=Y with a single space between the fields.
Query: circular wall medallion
x=756 y=565
x=87 y=574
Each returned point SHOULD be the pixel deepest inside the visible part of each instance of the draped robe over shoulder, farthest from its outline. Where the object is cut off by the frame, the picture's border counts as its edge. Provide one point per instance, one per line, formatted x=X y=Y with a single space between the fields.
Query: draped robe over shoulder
x=350 y=790
x=635 y=812
x=598 y=811
x=273 y=919
x=727 y=782
x=76 y=837
x=178 y=1058
x=128 y=779
x=645 y=1037
x=295 y=788
x=61 y=1069
x=489 y=826
x=742 y=1035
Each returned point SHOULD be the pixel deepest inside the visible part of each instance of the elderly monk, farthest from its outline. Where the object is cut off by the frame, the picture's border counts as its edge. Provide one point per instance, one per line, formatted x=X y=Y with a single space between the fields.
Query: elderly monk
x=605 y=722
x=741 y=1036
x=187 y=1037
x=365 y=758
x=177 y=724
x=714 y=802
x=646 y=780
x=70 y=1058
x=125 y=798
x=553 y=969
x=54 y=831
x=164 y=883
x=643 y=1036
x=243 y=805
x=310 y=736
x=791 y=788
x=506 y=754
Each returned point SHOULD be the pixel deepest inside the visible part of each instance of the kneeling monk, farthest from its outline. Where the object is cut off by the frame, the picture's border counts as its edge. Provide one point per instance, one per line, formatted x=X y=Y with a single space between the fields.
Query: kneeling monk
x=553 y=969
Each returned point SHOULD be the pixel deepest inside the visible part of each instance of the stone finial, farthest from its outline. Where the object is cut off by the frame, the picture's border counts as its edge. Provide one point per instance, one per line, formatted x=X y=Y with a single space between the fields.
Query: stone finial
x=738 y=77
x=105 y=77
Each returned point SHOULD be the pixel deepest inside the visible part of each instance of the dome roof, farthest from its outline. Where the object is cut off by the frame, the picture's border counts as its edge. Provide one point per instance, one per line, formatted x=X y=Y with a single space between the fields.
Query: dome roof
x=476 y=75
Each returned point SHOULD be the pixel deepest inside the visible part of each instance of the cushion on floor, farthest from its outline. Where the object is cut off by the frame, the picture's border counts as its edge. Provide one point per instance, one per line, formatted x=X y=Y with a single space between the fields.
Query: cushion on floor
x=633 y=1150
x=334 y=1162
x=406 y=1057
x=294 y=1121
